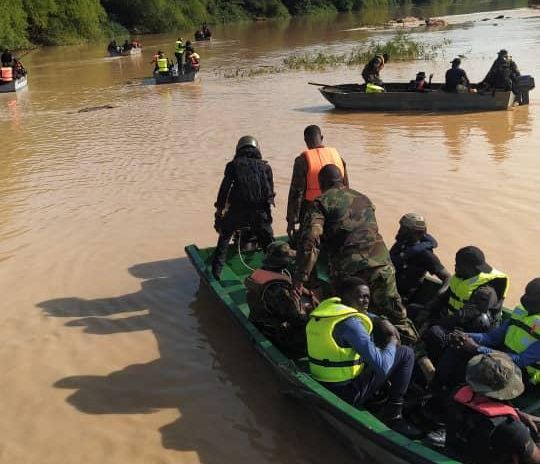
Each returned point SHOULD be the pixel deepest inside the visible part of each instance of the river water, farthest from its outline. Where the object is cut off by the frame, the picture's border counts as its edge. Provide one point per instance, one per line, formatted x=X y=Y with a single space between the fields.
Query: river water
x=110 y=351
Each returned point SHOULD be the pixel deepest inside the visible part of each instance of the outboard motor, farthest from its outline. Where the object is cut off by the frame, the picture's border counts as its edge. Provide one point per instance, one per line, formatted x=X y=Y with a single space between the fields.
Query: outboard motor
x=522 y=86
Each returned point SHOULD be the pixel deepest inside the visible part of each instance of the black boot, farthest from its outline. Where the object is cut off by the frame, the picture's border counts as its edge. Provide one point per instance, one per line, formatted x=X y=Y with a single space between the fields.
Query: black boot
x=392 y=416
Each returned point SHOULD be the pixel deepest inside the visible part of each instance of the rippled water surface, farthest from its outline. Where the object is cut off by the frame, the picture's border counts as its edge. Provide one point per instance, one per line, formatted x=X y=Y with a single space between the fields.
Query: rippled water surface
x=110 y=351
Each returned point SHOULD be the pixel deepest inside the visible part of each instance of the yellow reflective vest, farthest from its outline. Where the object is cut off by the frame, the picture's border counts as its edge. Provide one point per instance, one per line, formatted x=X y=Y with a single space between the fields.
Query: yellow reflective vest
x=524 y=330
x=461 y=290
x=179 y=47
x=163 y=65
x=329 y=362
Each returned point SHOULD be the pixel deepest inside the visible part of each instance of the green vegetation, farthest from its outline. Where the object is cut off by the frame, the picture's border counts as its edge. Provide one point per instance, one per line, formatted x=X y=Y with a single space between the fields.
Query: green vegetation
x=400 y=48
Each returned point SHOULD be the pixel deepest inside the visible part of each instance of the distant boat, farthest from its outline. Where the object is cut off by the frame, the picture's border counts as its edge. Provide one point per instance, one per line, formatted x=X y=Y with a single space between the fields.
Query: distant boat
x=175 y=78
x=131 y=51
x=14 y=85
x=397 y=97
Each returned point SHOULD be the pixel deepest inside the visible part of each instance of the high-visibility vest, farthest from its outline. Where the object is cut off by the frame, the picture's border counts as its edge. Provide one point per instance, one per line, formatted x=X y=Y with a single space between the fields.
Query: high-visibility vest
x=524 y=330
x=163 y=65
x=373 y=88
x=316 y=159
x=179 y=47
x=329 y=362
x=462 y=289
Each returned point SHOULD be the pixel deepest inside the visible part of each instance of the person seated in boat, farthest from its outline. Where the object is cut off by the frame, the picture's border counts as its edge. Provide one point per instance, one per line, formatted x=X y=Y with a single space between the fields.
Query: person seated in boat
x=482 y=425
x=304 y=186
x=502 y=74
x=518 y=336
x=413 y=258
x=18 y=69
x=207 y=33
x=193 y=61
x=7 y=58
x=127 y=46
x=345 y=359
x=136 y=44
x=199 y=35
x=420 y=84
x=245 y=197
x=456 y=79
x=473 y=301
x=273 y=309
x=372 y=70
x=113 y=47
x=343 y=221
x=162 y=64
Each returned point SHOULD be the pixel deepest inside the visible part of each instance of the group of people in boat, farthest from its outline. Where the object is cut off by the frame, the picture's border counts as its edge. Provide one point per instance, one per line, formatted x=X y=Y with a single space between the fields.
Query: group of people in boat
x=12 y=68
x=187 y=59
x=503 y=75
x=374 y=328
x=114 y=48
x=203 y=33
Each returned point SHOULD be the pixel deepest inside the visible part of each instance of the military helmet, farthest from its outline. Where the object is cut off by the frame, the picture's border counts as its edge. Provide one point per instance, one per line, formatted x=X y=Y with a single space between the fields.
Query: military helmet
x=413 y=221
x=247 y=141
x=503 y=52
x=278 y=253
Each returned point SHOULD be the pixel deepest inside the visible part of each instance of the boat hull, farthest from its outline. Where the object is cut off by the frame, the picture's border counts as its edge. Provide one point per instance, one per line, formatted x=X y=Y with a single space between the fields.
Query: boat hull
x=15 y=85
x=170 y=79
x=367 y=436
x=130 y=52
x=397 y=98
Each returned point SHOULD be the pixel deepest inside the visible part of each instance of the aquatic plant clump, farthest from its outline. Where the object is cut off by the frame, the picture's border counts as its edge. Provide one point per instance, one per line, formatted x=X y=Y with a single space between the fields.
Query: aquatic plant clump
x=400 y=48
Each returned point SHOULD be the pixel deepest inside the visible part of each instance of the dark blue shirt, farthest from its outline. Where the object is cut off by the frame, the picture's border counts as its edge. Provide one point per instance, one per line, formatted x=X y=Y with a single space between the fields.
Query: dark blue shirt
x=455 y=77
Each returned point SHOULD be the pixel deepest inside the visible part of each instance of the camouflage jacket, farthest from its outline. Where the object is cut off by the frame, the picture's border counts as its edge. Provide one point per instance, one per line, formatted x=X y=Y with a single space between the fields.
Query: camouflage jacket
x=296 y=205
x=500 y=72
x=343 y=221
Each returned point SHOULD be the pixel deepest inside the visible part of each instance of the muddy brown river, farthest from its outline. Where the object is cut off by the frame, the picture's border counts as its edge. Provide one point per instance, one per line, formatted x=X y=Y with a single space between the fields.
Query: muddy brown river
x=111 y=353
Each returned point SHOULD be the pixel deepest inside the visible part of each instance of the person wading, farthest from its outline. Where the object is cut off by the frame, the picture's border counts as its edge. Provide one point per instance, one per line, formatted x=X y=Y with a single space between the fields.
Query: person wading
x=304 y=186
x=344 y=221
x=244 y=200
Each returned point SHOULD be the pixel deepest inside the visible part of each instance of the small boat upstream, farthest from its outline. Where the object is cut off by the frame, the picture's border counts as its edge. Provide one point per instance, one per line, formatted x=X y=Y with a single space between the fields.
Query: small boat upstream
x=398 y=97
x=13 y=85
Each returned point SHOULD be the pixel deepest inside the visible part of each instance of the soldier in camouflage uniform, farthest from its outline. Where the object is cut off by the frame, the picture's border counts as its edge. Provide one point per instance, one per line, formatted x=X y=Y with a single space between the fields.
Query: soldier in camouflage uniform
x=344 y=220
x=502 y=74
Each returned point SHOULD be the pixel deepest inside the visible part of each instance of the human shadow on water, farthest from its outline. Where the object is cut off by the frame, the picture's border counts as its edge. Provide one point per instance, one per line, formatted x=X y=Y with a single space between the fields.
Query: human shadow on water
x=229 y=403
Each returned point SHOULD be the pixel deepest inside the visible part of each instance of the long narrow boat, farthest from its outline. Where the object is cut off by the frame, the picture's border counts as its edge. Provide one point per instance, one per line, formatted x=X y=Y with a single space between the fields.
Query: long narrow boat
x=398 y=98
x=174 y=79
x=14 y=85
x=132 y=51
x=365 y=434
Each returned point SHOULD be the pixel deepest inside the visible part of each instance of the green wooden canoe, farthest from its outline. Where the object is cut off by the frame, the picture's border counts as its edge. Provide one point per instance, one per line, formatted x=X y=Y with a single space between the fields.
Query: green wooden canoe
x=364 y=433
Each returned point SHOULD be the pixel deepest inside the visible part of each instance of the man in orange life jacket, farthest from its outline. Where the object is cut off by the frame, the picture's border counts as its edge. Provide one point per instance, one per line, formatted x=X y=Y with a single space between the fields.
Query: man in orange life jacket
x=272 y=308
x=305 y=182
x=482 y=425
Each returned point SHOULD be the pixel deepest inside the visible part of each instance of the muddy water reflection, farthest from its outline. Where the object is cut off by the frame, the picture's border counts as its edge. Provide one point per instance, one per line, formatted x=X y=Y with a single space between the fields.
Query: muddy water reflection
x=125 y=362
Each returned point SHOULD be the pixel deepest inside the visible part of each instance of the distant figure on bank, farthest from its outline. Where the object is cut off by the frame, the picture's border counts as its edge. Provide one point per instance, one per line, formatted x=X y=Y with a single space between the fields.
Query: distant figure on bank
x=413 y=257
x=456 y=79
x=273 y=309
x=244 y=200
x=502 y=74
x=420 y=84
x=344 y=358
x=372 y=70
x=304 y=186
x=7 y=58
x=482 y=425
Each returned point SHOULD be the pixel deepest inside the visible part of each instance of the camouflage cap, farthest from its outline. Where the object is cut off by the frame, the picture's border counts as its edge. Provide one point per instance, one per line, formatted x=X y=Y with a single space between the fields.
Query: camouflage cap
x=278 y=253
x=495 y=375
x=413 y=221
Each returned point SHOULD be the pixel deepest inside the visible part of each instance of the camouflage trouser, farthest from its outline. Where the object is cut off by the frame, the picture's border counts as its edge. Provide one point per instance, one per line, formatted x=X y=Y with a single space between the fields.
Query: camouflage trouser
x=385 y=299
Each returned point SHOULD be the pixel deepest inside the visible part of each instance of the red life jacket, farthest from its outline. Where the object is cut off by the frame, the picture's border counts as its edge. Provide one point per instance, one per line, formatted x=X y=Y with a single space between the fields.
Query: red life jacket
x=484 y=405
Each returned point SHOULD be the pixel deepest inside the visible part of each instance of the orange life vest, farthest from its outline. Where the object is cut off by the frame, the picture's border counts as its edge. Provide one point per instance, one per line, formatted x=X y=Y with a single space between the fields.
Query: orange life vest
x=316 y=159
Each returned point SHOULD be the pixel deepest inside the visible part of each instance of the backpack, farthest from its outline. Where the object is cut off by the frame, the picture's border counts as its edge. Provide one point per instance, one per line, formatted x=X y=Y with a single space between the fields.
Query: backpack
x=251 y=180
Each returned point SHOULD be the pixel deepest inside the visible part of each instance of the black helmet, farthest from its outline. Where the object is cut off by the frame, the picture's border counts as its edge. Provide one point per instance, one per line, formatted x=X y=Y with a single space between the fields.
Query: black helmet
x=247 y=141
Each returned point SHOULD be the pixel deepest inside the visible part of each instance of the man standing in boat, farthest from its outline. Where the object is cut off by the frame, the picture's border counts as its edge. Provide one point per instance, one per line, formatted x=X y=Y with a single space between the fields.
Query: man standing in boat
x=305 y=182
x=244 y=200
x=372 y=70
x=344 y=358
x=344 y=221
x=180 y=53
x=7 y=58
